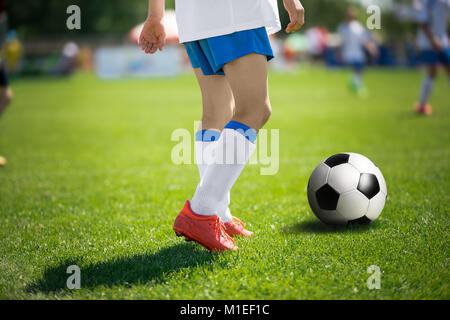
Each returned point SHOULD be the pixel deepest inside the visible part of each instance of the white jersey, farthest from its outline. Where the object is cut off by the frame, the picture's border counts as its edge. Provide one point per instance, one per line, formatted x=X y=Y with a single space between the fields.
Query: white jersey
x=201 y=19
x=353 y=37
x=435 y=13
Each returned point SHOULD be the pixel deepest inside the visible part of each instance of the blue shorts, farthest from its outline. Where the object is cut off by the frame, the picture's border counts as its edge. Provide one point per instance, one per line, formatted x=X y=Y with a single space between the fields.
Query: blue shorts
x=212 y=54
x=431 y=57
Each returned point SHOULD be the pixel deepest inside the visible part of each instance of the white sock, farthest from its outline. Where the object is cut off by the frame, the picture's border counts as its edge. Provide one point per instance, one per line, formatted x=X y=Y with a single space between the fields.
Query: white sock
x=205 y=152
x=357 y=79
x=427 y=86
x=233 y=149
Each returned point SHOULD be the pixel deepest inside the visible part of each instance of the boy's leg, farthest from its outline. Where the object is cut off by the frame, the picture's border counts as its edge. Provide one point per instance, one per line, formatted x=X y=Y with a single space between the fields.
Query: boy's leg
x=247 y=77
x=5 y=89
x=217 y=99
x=198 y=221
x=207 y=229
x=5 y=98
x=218 y=105
x=357 y=82
x=427 y=87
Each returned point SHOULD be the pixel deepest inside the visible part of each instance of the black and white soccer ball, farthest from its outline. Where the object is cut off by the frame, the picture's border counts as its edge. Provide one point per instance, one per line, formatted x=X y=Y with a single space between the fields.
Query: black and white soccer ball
x=347 y=188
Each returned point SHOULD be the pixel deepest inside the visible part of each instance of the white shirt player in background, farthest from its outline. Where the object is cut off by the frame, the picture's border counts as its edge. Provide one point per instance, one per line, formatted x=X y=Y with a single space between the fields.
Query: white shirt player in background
x=432 y=40
x=355 y=41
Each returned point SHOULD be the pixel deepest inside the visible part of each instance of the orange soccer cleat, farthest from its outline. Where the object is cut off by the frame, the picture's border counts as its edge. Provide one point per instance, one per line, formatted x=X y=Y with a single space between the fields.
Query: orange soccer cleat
x=208 y=231
x=236 y=227
x=425 y=110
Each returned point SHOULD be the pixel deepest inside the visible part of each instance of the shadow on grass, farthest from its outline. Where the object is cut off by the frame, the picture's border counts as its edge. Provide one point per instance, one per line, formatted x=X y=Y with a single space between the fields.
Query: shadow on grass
x=142 y=268
x=319 y=227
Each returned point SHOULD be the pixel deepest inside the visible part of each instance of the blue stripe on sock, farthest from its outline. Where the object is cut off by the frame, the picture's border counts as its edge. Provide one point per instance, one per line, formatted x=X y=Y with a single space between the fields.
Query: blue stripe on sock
x=207 y=135
x=245 y=130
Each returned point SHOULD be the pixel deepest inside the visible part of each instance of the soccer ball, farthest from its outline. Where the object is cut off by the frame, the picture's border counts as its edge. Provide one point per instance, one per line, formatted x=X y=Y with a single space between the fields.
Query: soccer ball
x=347 y=188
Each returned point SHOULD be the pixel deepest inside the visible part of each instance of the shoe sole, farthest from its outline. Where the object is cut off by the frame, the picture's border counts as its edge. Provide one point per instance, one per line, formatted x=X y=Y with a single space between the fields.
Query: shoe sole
x=180 y=233
x=185 y=237
x=423 y=112
x=240 y=235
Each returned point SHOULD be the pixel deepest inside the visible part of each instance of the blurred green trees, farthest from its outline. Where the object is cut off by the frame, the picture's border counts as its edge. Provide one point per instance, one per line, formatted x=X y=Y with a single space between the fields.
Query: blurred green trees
x=35 y=19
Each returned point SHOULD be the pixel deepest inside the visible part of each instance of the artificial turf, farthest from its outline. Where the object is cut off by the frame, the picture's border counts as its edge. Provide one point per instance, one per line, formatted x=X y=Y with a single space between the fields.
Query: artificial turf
x=90 y=181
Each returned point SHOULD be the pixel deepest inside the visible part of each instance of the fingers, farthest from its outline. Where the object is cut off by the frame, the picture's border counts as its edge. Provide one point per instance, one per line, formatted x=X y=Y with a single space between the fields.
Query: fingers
x=159 y=44
x=145 y=46
x=151 y=45
x=297 y=20
x=293 y=26
x=143 y=43
x=161 y=41
x=148 y=46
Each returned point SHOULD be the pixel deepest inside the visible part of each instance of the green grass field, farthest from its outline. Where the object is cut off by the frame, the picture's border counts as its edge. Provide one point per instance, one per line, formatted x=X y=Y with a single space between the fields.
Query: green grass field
x=90 y=182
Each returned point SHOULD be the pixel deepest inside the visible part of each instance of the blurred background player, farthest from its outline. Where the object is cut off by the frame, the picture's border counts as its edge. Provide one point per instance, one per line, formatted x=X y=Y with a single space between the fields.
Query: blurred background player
x=67 y=62
x=432 y=40
x=5 y=90
x=355 y=40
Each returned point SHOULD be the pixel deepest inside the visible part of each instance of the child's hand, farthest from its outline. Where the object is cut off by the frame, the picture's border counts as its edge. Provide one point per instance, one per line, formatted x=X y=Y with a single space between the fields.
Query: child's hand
x=153 y=36
x=296 y=14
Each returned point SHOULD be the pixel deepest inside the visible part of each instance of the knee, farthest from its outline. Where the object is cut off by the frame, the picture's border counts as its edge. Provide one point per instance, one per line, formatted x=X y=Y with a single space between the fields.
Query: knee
x=210 y=119
x=216 y=117
x=254 y=114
